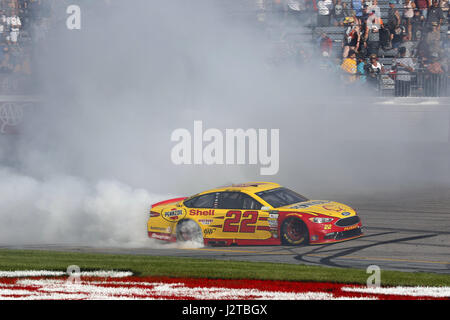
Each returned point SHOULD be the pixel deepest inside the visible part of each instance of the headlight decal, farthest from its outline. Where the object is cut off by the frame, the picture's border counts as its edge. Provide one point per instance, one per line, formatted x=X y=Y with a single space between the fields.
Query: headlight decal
x=321 y=220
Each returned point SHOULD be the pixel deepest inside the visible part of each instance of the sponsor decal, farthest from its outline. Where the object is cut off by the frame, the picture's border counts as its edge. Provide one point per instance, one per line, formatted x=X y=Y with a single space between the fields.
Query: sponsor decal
x=308 y=204
x=273 y=215
x=205 y=222
x=350 y=228
x=273 y=224
x=333 y=207
x=197 y=212
x=157 y=228
x=209 y=231
x=245 y=185
x=160 y=236
x=173 y=215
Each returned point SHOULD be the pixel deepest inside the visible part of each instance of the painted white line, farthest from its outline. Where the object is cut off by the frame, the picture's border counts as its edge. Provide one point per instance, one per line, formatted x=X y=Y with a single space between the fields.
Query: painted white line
x=31 y=273
x=435 y=292
x=46 y=273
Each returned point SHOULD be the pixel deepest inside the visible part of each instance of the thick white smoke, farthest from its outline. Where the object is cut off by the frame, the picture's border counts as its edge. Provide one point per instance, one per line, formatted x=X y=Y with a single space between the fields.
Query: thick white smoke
x=70 y=210
x=96 y=153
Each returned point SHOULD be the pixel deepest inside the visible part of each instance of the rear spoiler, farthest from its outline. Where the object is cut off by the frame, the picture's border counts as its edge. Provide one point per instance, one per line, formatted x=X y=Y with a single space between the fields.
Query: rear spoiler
x=167 y=201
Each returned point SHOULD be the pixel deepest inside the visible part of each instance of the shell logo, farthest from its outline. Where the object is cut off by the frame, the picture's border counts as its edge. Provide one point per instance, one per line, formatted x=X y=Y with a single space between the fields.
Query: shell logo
x=333 y=207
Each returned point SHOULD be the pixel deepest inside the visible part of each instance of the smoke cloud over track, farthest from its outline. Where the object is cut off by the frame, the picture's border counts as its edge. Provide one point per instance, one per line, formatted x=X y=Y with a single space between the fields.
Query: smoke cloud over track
x=96 y=153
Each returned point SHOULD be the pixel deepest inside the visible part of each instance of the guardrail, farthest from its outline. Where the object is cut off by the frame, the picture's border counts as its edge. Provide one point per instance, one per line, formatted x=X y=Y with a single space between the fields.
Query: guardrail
x=12 y=84
x=415 y=84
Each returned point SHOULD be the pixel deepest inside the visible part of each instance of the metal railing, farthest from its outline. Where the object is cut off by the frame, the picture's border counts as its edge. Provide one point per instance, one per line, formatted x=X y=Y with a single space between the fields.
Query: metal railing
x=415 y=84
x=12 y=84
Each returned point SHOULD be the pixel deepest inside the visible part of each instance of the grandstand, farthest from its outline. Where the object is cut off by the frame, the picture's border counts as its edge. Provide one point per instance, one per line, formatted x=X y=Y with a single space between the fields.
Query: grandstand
x=18 y=19
x=297 y=30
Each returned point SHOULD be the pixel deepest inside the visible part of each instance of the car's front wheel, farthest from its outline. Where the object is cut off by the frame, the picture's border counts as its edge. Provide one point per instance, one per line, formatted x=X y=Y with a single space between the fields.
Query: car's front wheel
x=294 y=232
x=189 y=230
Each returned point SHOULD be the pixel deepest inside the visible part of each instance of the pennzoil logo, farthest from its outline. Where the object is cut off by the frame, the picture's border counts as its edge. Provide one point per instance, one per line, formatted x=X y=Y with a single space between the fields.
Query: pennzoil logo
x=173 y=215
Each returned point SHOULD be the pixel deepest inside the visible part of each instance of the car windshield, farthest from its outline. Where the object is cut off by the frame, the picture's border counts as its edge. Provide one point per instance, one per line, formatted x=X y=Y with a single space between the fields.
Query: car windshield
x=281 y=197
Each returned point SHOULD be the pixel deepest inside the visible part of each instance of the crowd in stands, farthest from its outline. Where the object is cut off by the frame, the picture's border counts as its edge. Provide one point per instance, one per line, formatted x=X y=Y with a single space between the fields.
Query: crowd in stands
x=412 y=32
x=21 y=23
x=411 y=35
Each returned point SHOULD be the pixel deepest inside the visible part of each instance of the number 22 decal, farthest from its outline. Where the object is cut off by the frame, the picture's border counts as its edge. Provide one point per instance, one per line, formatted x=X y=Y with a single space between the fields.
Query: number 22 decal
x=233 y=221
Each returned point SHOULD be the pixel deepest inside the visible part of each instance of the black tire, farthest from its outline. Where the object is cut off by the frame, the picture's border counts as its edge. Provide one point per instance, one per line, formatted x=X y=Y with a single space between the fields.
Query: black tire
x=189 y=230
x=294 y=232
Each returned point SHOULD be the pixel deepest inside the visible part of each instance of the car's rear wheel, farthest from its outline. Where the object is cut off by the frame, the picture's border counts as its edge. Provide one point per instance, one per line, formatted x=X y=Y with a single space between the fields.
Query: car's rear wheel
x=189 y=230
x=294 y=232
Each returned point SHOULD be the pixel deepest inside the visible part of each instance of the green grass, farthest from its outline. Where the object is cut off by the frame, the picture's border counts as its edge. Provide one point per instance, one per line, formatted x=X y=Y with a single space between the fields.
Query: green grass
x=202 y=268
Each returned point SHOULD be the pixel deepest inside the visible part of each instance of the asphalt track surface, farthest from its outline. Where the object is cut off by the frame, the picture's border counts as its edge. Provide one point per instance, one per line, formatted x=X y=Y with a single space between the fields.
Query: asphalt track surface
x=410 y=233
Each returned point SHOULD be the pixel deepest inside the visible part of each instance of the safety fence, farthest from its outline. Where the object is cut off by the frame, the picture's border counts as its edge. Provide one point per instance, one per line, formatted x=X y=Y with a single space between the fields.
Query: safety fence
x=11 y=84
x=414 y=84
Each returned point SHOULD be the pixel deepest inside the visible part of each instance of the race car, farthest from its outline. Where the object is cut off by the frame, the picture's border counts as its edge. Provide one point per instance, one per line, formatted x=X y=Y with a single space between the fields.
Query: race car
x=254 y=213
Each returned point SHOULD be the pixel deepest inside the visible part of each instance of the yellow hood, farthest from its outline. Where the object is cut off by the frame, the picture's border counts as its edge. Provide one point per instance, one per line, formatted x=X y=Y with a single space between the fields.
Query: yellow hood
x=323 y=207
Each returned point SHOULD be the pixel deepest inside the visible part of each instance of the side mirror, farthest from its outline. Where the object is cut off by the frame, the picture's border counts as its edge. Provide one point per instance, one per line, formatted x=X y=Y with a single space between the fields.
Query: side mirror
x=265 y=209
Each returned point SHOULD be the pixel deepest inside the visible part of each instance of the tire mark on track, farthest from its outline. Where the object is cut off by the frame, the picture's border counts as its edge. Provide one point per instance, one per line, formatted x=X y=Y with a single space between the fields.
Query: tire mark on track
x=348 y=251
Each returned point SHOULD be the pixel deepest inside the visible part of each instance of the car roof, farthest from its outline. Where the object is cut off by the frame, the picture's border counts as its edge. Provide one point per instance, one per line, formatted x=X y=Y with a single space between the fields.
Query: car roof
x=248 y=187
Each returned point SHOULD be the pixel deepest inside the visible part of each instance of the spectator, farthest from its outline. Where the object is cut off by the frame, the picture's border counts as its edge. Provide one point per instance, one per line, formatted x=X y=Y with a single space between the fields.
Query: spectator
x=357 y=7
x=409 y=45
x=408 y=14
x=397 y=36
x=433 y=80
x=311 y=5
x=361 y=69
x=374 y=70
x=403 y=66
x=348 y=11
x=375 y=8
x=445 y=7
x=435 y=14
x=433 y=38
x=446 y=44
x=14 y=24
x=417 y=25
x=365 y=14
x=323 y=17
x=423 y=7
x=373 y=33
x=326 y=44
x=349 y=67
x=434 y=67
x=326 y=64
x=394 y=19
x=352 y=38
x=2 y=25
x=338 y=13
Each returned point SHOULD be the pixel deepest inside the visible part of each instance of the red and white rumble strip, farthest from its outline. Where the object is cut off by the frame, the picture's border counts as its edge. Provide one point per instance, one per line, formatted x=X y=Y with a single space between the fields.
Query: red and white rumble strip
x=99 y=285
